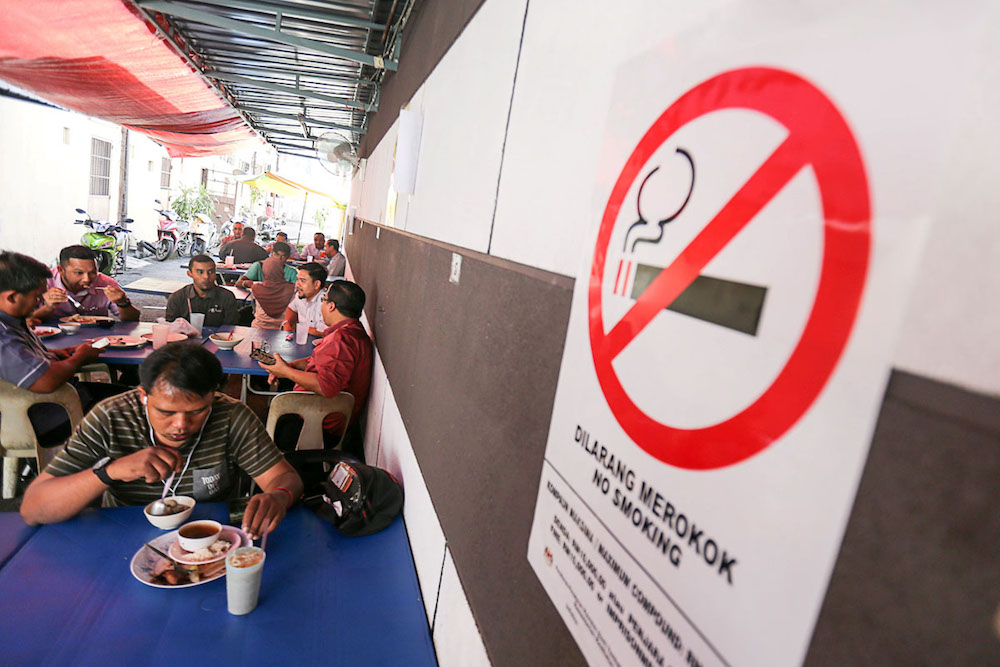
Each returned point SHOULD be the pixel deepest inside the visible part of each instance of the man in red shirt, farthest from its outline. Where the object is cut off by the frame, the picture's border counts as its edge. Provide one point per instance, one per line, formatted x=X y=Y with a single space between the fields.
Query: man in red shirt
x=341 y=362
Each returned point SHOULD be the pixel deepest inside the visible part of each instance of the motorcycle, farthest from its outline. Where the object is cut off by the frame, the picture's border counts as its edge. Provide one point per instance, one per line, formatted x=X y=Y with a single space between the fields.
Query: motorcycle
x=195 y=238
x=108 y=241
x=267 y=229
x=167 y=232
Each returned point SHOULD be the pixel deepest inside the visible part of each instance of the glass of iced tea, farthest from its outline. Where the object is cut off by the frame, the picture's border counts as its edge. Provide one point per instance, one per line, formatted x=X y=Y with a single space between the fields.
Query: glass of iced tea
x=244 y=568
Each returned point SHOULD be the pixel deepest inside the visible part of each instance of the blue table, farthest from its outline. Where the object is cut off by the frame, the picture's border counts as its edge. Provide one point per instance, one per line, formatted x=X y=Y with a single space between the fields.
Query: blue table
x=69 y=598
x=133 y=356
x=13 y=535
x=238 y=359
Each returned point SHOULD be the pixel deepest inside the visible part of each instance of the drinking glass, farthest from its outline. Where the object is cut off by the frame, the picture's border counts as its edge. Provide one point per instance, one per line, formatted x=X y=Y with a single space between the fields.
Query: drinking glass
x=160 y=335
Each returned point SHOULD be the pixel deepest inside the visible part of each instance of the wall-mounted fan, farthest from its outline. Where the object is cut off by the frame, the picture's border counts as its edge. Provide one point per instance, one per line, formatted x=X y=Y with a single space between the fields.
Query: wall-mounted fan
x=337 y=154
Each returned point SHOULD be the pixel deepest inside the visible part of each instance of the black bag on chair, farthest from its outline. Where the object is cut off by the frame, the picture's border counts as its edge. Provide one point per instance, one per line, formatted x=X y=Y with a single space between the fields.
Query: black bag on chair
x=358 y=499
x=244 y=314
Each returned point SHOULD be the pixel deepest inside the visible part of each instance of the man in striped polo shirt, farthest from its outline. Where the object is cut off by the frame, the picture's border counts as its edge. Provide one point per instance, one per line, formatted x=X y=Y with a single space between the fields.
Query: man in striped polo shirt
x=173 y=434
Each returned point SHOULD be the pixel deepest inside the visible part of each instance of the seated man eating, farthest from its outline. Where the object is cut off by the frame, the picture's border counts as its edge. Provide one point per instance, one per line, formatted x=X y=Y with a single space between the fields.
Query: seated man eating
x=172 y=434
x=341 y=362
x=76 y=287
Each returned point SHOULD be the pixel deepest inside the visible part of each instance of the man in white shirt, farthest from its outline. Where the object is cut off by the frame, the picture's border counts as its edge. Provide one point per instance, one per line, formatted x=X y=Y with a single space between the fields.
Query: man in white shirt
x=316 y=248
x=307 y=306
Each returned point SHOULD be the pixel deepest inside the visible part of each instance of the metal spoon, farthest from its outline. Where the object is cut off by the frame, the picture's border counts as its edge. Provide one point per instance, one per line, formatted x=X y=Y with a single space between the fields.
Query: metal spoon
x=158 y=508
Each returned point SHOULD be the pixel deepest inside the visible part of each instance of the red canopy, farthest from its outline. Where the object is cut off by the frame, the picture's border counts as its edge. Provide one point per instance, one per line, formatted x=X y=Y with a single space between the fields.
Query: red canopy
x=100 y=58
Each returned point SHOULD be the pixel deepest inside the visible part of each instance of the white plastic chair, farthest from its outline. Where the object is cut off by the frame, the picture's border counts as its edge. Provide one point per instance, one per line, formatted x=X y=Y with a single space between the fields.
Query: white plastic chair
x=313 y=408
x=90 y=373
x=17 y=436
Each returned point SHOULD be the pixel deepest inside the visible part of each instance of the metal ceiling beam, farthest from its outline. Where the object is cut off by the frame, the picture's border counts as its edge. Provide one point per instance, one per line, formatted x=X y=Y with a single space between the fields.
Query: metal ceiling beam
x=299 y=82
x=218 y=60
x=247 y=81
x=309 y=121
x=294 y=135
x=304 y=12
x=329 y=114
x=174 y=9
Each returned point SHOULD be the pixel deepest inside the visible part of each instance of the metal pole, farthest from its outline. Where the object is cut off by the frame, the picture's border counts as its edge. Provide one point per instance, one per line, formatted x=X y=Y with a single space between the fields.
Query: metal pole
x=302 y=218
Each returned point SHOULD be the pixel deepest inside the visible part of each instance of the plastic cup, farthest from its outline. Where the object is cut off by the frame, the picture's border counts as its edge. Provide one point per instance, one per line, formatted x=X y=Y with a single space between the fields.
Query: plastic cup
x=198 y=321
x=309 y=258
x=244 y=568
x=160 y=335
x=230 y=261
x=301 y=333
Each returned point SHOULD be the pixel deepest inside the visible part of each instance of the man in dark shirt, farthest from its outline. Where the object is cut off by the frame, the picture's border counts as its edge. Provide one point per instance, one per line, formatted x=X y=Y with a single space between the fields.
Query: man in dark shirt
x=244 y=250
x=26 y=363
x=203 y=296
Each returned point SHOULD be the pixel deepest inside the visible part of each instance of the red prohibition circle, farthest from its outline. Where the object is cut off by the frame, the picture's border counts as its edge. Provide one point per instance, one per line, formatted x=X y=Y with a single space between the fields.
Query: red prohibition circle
x=818 y=136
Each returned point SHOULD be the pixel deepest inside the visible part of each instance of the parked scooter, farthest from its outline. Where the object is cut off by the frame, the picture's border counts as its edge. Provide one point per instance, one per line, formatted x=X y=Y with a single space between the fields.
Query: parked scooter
x=195 y=237
x=267 y=229
x=108 y=241
x=167 y=232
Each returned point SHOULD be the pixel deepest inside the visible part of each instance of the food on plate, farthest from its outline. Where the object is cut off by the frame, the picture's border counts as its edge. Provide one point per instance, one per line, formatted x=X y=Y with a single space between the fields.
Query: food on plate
x=171 y=337
x=120 y=341
x=217 y=548
x=44 y=332
x=81 y=319
x=167 y=573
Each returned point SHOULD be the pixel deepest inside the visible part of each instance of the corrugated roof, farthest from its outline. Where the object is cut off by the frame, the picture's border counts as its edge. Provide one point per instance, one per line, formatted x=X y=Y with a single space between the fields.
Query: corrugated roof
x=294 y=69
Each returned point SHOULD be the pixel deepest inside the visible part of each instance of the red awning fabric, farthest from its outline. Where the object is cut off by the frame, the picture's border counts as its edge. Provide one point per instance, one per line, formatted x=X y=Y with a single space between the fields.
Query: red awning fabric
x=100 y=58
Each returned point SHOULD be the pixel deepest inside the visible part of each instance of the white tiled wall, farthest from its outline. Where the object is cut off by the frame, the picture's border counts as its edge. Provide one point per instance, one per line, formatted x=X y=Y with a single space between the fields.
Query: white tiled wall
x=456 y=637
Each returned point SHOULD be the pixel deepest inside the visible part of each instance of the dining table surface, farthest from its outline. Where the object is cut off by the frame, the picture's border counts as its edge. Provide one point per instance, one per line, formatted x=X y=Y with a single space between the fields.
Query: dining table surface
x=236 y=361
x=165 y=287
x=68 y=596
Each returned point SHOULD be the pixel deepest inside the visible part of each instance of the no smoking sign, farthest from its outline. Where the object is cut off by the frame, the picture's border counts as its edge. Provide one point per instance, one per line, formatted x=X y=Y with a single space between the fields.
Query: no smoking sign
x=817 y=137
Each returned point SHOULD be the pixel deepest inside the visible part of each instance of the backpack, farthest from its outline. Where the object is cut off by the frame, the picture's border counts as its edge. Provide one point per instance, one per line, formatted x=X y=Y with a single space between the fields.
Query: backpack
x=358 y=499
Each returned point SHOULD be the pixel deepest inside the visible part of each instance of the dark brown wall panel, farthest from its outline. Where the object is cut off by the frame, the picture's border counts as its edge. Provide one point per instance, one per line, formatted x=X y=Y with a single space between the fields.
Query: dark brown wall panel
x=473 y=368
x=917 y=581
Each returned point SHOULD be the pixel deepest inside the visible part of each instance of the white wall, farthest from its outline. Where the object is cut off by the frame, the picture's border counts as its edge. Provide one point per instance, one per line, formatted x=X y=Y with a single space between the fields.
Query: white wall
x=45 y=175
x=562 y=105
x=145 y=164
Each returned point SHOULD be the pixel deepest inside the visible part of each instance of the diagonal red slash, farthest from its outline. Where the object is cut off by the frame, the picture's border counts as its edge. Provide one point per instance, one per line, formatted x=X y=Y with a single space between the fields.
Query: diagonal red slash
x=769 y=179
x=820 y=134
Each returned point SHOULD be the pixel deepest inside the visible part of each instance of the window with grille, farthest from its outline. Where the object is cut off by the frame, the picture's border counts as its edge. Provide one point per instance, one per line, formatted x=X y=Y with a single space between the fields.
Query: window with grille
x=165 y=172
x=100 y=167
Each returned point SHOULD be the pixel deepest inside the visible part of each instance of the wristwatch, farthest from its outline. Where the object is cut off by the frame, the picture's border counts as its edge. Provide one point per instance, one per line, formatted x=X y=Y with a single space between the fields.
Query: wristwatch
x=100 y=469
